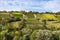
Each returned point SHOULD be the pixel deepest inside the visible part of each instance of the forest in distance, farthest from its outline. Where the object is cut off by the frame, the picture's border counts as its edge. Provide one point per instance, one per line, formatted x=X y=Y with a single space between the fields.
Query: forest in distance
x=22 y=25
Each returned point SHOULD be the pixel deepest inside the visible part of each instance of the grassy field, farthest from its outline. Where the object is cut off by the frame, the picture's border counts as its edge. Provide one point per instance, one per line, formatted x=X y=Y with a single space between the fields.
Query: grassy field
x=43 y=27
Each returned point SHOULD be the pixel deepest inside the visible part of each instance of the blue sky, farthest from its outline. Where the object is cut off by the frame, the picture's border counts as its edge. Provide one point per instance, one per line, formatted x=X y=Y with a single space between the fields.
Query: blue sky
x=30 y=5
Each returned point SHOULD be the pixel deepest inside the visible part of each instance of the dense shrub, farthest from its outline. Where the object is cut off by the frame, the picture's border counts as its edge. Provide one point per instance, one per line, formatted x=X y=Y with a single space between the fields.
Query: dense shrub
x=41 y=35
x=56 y=35
x=26 y=31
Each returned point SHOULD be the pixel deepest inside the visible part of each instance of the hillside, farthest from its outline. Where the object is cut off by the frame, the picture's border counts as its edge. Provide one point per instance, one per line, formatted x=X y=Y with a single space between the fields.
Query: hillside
x=29 y=26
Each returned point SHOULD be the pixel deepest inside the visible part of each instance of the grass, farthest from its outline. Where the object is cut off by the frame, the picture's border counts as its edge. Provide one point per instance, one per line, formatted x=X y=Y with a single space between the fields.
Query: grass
x=34 y=29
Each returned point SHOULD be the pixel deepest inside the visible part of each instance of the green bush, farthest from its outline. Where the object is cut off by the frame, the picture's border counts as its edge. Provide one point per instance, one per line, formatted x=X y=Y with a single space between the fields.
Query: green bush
x=41 y=35
x=56 y=35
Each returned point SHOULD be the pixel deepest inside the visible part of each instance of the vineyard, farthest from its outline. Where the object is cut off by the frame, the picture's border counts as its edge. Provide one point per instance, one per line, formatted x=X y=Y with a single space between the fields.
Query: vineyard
x=29 y=26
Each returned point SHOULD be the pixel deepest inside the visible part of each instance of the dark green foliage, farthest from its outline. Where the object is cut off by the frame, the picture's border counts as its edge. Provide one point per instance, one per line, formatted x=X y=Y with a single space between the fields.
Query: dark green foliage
x=24 y=23
x=8 y=37
x=18 y=19
x=44 y=24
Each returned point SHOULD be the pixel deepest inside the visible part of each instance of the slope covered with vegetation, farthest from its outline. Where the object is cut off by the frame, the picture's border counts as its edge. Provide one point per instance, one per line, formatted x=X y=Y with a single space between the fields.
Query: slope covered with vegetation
x=30 y=26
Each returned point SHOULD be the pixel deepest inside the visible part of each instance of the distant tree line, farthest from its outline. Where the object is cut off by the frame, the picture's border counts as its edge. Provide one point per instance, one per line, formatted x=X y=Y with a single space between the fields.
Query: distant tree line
x=29 y=12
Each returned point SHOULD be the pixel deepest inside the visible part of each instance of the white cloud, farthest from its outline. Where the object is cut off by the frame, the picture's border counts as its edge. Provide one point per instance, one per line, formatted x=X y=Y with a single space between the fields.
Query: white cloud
x=53 y=6
x=37 y=5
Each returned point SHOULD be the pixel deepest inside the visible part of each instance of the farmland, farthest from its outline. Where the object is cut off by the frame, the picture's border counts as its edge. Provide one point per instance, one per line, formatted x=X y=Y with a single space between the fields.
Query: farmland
x=29 y=26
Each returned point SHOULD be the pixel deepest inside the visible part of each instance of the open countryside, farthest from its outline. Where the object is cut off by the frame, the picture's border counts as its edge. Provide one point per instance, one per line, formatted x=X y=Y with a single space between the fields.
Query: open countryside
x=15 y=25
